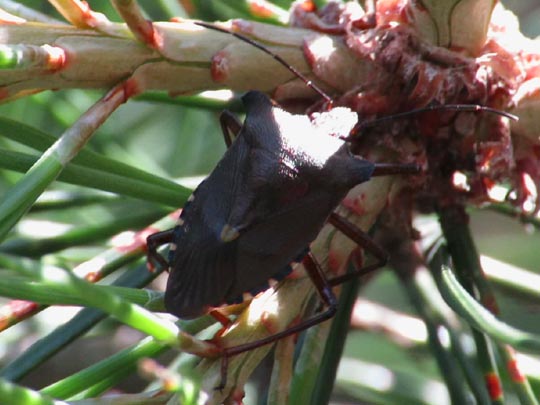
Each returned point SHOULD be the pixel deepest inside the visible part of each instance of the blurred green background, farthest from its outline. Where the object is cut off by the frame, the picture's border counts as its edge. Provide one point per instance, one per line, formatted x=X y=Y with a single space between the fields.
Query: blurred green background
x=176 y=141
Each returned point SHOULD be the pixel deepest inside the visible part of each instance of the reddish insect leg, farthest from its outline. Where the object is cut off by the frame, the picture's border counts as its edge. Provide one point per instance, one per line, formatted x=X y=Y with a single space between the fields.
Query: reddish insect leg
x=323 y=286
x=327 y=296
x=153 y=242
x=364 y=241
x=329 y=299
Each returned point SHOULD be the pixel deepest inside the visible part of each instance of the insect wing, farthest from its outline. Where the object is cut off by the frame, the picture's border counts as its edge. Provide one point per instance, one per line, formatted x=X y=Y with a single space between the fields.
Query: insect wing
x=266 y=250
x=202 y=265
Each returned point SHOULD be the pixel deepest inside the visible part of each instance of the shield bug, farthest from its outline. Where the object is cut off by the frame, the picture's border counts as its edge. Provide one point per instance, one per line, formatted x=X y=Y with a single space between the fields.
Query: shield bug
x=278 y=183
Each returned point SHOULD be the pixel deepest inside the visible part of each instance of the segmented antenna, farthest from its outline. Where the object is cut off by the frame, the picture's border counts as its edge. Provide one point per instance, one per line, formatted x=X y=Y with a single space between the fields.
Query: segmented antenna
x=447 y=107
x=328 y=99
x=276 y=57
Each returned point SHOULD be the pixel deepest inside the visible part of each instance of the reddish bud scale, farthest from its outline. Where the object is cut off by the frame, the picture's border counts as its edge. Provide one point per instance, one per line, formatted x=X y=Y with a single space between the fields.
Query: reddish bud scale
x=308 y=6
x=57 y=58
x=334 y=262
x=245 y=27
x=355 y=204
x=219 y=69
x=149 y=35
x=16 y=311
x=20 y=307
x=259 y=9
x=370 y=103
x=392 y=11
x=127 y=89
x=268 y=322
x=131 y=89
x=93 y=277
x=237 y=396
x=175 y=214
x=297 y=273
x=138 y=241
x=272 y=328
x=493 y=384
x=529 y=165
x=87 y=14
x=525 y=185
x=515 y=372
x=6 y=18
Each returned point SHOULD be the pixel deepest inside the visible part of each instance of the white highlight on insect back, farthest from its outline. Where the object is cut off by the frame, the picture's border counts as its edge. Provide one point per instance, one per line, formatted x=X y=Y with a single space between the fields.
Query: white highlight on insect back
x=323 y=141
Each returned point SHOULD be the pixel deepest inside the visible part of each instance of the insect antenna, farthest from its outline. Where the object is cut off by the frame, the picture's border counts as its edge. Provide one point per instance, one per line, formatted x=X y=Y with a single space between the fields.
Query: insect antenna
x=276 y=57
x=438 y=107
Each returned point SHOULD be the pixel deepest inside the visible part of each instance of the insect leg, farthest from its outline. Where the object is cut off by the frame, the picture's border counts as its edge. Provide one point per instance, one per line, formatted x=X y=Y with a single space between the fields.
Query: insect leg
x=327 y=296
x=329 y=299
x=230 y=126
x=364 y=241
x=153 y=242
